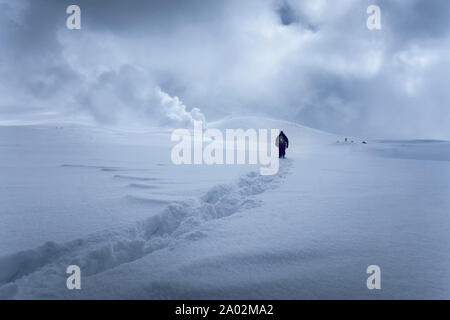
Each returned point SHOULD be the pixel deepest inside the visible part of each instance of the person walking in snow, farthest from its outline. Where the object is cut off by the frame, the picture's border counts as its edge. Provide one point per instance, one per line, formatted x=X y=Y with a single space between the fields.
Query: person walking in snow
x=282 y=143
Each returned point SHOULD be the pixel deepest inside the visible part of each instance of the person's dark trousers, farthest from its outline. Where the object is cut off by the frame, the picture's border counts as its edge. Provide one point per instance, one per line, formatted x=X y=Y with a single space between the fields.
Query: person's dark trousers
x=281 y=151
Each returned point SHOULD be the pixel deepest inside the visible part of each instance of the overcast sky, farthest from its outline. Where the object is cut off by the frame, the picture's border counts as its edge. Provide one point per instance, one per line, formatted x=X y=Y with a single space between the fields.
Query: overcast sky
x=168 y=62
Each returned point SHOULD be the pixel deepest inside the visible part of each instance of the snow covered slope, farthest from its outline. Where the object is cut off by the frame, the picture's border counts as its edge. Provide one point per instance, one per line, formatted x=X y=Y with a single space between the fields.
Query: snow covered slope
x=140 y=227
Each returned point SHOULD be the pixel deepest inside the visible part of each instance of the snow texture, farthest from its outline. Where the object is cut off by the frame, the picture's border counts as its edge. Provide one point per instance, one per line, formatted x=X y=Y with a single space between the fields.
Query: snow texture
x=138 y=226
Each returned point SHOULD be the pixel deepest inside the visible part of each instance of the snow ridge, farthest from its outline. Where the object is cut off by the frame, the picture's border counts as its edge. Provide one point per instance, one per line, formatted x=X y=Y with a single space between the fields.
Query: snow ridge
x=102 y=251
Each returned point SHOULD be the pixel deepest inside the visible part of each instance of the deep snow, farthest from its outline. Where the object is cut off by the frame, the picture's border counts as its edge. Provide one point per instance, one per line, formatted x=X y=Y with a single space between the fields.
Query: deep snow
x=140 y=227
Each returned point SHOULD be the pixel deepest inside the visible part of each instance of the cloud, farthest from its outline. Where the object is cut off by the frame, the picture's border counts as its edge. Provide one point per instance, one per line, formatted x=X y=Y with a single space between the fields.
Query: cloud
x=131 y=96
x=175 y=113
x=313 y=62
x=287 y=14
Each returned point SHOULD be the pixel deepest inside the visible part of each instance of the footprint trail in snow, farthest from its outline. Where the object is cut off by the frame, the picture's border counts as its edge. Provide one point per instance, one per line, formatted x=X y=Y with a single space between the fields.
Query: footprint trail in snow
x=179 y=221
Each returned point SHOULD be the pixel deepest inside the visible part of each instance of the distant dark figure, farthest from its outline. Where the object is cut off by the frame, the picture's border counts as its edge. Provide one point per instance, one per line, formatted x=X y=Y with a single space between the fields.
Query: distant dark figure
x=345 y=139
x=282 y=143
x=364 y=142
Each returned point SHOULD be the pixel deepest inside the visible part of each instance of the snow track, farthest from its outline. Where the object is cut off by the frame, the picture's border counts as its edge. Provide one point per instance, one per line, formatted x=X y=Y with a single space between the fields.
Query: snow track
x=45 y=266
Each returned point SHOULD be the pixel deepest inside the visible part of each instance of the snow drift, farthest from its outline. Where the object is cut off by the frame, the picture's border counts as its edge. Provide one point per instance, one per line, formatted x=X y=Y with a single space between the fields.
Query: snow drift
x=140 y=227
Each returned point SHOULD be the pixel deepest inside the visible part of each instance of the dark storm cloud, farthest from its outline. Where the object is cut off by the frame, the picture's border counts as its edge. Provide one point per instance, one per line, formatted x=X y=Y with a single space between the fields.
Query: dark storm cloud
x=417 y=19
x=140 y=17
x=287 y=14
x=32 y=67
x=314 y=62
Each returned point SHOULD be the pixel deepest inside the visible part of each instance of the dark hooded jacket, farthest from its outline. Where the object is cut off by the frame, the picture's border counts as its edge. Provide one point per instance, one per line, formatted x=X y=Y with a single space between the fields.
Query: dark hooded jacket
x=282 y=140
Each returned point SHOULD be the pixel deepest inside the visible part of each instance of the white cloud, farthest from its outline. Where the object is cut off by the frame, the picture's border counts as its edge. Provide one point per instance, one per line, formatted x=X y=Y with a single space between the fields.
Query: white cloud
x=174 y=112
